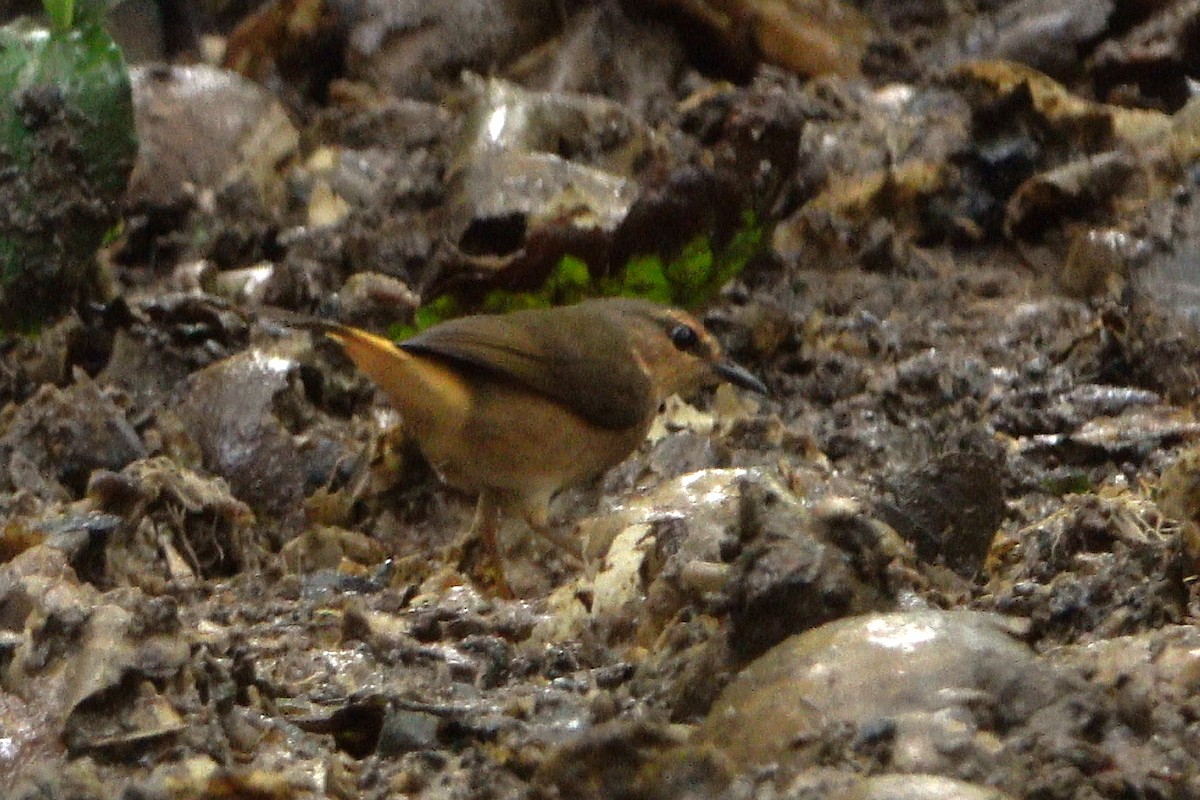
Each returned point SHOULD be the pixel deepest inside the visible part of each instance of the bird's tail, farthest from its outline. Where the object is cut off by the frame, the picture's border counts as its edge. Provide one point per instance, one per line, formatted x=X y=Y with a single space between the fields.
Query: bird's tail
x=373 y=354
x=422 y=389
x=380 y=358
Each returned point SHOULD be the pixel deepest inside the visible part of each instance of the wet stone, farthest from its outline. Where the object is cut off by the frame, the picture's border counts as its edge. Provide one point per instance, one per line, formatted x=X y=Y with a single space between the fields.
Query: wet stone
x=787 y=578
x=254 y=601
x=203 y=127
x=406 y=731
x=828 y=785
x=654 y=537
x=949 y=508
x=795 y=573
x=59 y=436
x=937 y=682
x=413 y=50
x=230 y=410
x=143 y=367
x=1045 y=34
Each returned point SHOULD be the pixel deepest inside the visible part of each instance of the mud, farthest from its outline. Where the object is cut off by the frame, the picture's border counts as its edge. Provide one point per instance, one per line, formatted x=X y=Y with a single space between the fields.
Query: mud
x=952 y=554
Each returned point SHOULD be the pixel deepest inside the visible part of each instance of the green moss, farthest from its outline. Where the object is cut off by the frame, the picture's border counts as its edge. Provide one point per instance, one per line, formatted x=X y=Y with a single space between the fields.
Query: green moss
x=690 y=279
x=1071 y=482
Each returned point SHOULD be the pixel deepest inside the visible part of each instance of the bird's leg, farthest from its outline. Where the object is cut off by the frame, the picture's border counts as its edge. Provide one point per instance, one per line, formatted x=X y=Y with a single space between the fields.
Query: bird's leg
x=537 y=517
x=483 y=528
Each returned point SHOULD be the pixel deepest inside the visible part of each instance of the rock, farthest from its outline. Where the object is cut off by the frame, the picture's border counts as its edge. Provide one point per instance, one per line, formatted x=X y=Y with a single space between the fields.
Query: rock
x=1153 y=45
x=729 y=537
x=231 y=410
x=124 y=719
x=1179 y=487
x=895 y=787
x=415 y=49
x=1048 y=198
x=90 y=660
x=671 y=547
x=934 y=684
x=199 y=127
x=405 y=731
x=59 y=436
x=1047 y=35
x=145 y=369
x=603 y=51
x=949 y=508
x=790 y=577
x=540 y=169
x=1148 y=674
x=1105 y=564
x=695 y=511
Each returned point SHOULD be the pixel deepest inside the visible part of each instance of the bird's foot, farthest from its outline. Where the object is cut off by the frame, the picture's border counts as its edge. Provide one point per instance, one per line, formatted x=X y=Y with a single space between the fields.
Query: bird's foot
x=473 y=560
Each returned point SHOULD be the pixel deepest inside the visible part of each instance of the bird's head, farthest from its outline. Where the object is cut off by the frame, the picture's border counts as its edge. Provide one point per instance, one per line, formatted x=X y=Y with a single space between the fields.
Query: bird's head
x=676 y=351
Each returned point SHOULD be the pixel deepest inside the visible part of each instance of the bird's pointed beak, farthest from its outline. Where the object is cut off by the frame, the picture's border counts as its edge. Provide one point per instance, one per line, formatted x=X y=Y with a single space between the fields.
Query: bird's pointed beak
x=739 y=376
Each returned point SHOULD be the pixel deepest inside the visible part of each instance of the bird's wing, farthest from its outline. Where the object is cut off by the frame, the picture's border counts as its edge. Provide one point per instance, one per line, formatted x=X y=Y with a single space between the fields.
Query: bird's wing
x=584 y=362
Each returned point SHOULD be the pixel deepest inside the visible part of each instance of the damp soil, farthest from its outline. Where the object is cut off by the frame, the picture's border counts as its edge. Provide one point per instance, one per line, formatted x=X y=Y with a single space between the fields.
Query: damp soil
x=958 y=542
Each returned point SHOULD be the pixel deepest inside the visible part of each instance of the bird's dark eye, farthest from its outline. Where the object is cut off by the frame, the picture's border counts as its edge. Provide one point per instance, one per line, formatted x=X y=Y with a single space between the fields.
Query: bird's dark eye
x=684 y=337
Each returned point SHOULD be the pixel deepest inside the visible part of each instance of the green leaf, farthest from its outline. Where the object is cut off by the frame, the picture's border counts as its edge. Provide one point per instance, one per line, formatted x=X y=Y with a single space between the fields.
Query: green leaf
x=61 y=14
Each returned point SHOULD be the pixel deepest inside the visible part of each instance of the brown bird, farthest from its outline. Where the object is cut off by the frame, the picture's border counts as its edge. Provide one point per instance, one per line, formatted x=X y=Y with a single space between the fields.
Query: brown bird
x=517 y=406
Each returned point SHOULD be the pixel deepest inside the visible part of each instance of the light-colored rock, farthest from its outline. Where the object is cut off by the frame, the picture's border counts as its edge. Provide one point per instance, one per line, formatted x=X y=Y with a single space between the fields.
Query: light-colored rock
x=921 y=673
